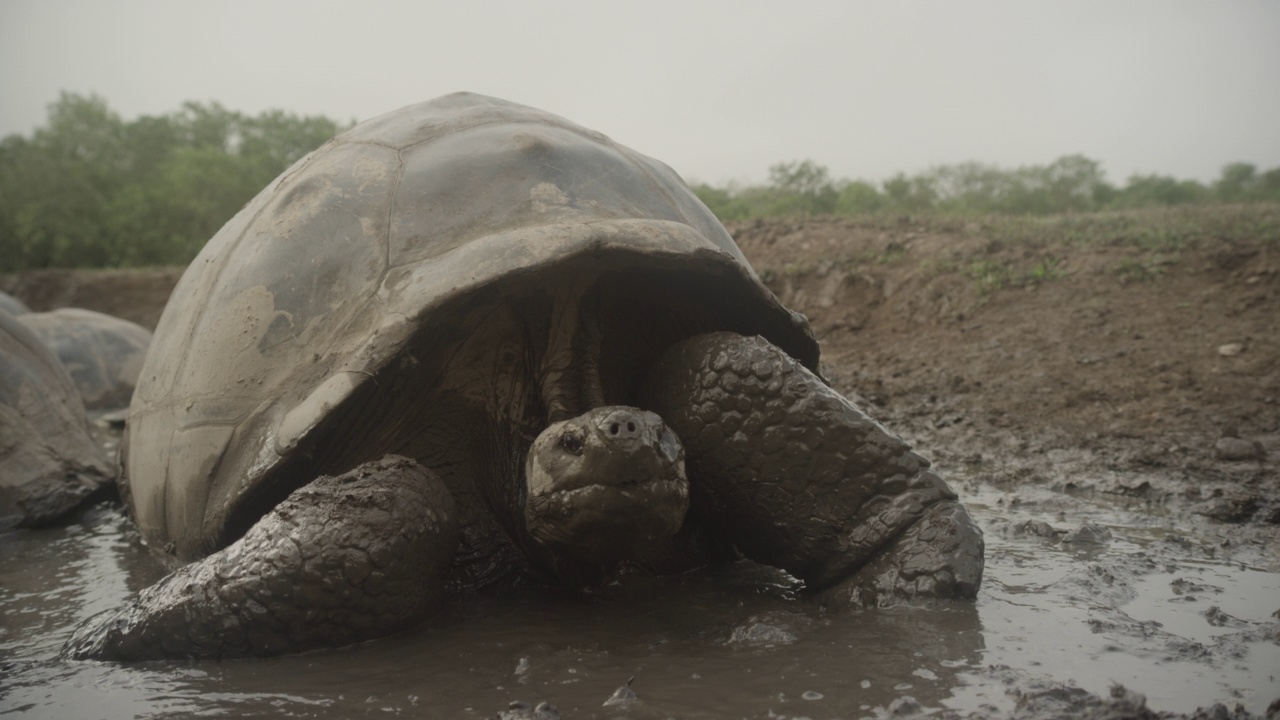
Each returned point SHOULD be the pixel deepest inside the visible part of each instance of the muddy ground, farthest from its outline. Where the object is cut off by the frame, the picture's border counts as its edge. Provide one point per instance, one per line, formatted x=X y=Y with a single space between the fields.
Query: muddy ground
x=1124 y=367
x=1025 y=353
x=135 y=295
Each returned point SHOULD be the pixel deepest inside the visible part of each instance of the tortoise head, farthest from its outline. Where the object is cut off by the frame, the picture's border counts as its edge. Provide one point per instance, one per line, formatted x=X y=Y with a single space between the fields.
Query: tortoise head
x=605 y=486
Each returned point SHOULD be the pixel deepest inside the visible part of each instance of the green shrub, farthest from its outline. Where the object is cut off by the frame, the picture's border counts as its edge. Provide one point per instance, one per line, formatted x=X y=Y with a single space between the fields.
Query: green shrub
x=91 y=190
x=1070 y=184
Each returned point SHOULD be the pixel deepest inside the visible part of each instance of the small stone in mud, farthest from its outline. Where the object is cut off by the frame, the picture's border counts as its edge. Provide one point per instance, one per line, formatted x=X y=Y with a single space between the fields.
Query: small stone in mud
x=1230 y=349
x=1232 y=509
x=1218 y=618
x=1183 y=586
x=1234 y=449
x=1038 y=528
x=1088 y=534
x=760 y=633
x=622 y=695
x=905 y=705
x=521 y=710
x=770 y=628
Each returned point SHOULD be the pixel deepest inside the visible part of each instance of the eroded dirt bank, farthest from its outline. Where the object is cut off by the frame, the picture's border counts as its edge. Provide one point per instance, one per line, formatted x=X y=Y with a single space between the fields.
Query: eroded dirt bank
x=1143 y=345
x=137 y=295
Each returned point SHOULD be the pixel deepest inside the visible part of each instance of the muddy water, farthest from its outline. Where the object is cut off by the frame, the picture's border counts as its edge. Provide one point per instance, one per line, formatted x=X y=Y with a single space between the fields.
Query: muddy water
x=1132 y=599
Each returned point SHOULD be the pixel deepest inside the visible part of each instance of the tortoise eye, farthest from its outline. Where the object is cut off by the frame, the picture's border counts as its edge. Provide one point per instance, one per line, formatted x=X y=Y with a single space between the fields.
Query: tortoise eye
x=571 y=442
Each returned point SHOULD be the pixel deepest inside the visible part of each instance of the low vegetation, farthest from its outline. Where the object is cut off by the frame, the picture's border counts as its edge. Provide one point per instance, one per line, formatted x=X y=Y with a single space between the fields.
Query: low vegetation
x=1071 y=184
x=993 y=253
x=88 y=189
x=91 y=190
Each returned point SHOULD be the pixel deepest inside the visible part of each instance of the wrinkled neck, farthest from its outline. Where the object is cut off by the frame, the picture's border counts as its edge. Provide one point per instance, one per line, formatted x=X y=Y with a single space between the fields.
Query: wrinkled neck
x=569 y=375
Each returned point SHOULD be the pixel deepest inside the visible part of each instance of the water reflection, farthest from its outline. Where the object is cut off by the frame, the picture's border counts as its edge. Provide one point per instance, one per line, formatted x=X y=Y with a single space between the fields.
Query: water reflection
x=699 y=646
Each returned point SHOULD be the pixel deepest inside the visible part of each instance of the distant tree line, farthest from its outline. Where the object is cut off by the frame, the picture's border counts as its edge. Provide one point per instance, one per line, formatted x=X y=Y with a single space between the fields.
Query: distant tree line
x=91 y=190
x=1073 y=183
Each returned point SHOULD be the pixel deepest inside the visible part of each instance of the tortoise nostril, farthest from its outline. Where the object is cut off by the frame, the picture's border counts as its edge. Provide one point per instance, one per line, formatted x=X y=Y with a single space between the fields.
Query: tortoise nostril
x=622 y=424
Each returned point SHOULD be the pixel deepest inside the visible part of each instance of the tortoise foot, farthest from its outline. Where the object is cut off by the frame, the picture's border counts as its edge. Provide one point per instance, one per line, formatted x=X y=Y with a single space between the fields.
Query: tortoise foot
x=796 y=476
x=940 y=556
x=341 y=560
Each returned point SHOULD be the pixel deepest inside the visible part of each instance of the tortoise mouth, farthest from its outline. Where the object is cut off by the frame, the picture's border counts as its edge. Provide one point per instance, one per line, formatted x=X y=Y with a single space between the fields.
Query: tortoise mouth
x=608 y=521
x=606 y=485
x=629 y=494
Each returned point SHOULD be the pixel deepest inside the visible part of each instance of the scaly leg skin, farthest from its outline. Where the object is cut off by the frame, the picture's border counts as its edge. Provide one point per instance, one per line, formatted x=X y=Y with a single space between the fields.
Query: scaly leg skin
x=796 y=476
x=341 y=560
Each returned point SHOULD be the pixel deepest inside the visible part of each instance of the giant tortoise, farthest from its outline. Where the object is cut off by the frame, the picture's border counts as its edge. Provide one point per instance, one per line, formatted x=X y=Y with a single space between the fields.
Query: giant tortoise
x=12 y=305
x=467 y=344
x=49 y=463
x=102 y=353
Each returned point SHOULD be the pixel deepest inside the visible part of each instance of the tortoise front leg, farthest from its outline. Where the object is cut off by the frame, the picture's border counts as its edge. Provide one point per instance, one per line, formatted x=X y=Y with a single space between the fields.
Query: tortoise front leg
x=796 y=476
x=342 y=559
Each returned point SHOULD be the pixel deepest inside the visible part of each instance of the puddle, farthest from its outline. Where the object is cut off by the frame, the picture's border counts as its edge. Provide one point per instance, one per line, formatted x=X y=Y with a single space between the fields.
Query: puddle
x=1205 y=602
x=1141 y=608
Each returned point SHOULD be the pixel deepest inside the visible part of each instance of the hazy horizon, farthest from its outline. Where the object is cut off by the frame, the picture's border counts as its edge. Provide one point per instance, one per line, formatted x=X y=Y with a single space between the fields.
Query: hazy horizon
x=718 y=90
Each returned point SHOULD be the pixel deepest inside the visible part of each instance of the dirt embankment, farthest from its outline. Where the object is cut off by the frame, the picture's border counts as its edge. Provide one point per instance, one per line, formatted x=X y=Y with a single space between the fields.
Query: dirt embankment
x=1134 y=354
x=136 y=295
x=1137 y=353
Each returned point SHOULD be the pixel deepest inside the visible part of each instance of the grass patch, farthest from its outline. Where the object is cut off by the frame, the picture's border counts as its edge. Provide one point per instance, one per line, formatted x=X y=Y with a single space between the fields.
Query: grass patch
x=1049 y=268
x=796 y=269
x=933 y=267
x=990 y=275
x=1143 y=269
x=1137 y=270
x=1154 y=229
x=892 y=253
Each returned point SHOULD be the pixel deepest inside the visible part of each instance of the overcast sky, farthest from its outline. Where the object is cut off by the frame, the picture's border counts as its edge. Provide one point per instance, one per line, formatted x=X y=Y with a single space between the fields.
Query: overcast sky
x=718 y=90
